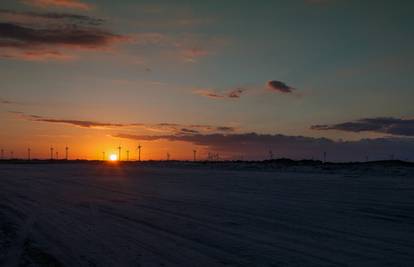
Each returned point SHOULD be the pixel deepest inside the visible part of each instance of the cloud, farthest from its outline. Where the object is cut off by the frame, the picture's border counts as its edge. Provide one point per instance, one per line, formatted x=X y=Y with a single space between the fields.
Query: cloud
x=192 y=54
x=256 y=146
x=52 y=36
x=49 y=17
x=13 y=35
x=36 y=55
x=77 y=123
x=86 y=124
x=6 y=102
x=232 y=94
x=188 y=131
x=279 y=86
x=185 y=47
x=174 y=128
x=225 y=129
x=235 y=93
x=386 y=125
x=72 y=4
x=184 y=129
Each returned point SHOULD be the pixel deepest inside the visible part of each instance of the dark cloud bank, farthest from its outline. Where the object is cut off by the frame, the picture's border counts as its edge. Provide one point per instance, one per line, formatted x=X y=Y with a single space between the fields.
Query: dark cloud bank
x=17 y=36
x=30 y=35
x=256 y=146
x=13 y=15
x=393 y=126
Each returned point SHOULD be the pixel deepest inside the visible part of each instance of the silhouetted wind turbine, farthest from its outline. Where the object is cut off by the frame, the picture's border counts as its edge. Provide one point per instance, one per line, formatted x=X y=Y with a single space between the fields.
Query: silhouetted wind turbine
x=139 y=152
x=127 y=152
x=168 y=156
x=194 y=155
x=2 y=153
x=28 y=153
x=66 y=152
x=11 y=154
x=103 y=156
x=51 y=153
x=270 y=154
x=57 y=155
x=119 y=152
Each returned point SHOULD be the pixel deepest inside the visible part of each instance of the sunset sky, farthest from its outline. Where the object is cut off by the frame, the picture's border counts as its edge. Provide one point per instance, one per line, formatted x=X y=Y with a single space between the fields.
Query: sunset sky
x=237 y=78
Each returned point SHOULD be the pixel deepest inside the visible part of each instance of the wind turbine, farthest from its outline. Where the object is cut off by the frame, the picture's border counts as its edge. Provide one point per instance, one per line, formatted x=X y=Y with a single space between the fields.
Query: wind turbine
x=139 y=152
x=66 y=152
x=127 y=152
x=119 y=153
x=168 y=156
x=51 y=153
x=194 y=155
x=103 y=156
x=11 y=154
x=28 y=153
x=57 y=155
x=271 y=154
x=2 y=153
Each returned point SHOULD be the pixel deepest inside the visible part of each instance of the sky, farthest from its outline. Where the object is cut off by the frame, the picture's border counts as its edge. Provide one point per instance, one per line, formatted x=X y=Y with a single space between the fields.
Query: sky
x=234 y=78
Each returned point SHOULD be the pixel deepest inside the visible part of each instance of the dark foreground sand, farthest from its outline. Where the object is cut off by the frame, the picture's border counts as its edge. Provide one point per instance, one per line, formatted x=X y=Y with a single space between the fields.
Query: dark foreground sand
x=153 y=215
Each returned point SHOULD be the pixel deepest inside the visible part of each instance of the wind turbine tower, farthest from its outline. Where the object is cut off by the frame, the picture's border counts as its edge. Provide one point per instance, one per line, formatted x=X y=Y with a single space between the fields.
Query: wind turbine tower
x=2 y=153
x=66 y=152
x=271 y=154
x=103 y=156
x=51 y=153
x=28 y=153
x=139 y=152
x=57 y=155
x=119 y=152
x=194 y=155
x=127 y=152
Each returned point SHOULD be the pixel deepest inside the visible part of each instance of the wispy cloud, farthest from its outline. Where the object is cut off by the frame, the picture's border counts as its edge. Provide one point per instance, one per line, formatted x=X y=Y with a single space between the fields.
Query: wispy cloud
x=179 y=16
x=256 y=146
x=25 y=17
x=77 y=123
x=192 y=54
x=44 y=36
x=174 y=128
x=184 y=128
x=232 y=94
x=72 y=4
x=385 y=125
x=186 y=47
x=6 y=102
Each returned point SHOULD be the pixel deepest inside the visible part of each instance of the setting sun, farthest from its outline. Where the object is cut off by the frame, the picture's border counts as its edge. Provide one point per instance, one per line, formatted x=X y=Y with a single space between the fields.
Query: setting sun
x=113 y=157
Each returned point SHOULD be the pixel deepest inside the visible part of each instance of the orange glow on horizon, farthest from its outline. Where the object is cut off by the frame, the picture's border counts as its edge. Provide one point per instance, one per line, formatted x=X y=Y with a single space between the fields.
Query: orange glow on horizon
x=90 y=144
